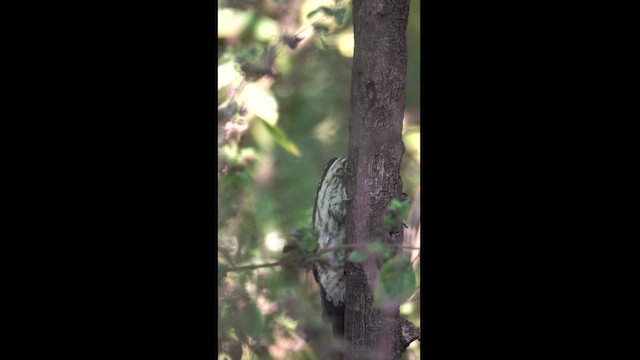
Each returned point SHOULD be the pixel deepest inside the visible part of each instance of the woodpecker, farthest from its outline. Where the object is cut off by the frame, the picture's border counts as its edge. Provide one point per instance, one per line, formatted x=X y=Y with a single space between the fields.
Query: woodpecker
x=329 y=224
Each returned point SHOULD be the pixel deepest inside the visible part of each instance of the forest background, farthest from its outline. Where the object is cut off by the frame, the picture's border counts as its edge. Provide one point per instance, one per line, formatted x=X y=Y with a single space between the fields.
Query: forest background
x=276 y=133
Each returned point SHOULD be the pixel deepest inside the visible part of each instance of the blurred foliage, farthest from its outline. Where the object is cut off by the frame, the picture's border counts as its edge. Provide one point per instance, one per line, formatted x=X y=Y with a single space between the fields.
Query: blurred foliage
x=396 y=281
x=284 y=72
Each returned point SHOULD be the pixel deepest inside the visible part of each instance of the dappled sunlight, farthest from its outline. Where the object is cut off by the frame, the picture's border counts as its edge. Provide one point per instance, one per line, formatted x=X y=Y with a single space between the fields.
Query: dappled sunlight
x=266 y=306
x=280 y=119
x=265 y=171
x=266 y=29
x=274 y=242
x=345 y=43
x=231 y=22
x=228 y=75
x=407 y=308
x=286 y=346
x=412 y=144
x=260 y=101
x=326 y=130
x=413 y=351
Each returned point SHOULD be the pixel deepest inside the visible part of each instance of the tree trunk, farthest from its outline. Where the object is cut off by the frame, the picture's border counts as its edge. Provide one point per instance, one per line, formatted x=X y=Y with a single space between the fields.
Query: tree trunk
x=375 y=153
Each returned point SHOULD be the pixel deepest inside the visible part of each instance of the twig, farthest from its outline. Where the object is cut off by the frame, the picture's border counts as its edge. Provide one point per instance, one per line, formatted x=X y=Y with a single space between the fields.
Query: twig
x=253 y=267
x=311 y=257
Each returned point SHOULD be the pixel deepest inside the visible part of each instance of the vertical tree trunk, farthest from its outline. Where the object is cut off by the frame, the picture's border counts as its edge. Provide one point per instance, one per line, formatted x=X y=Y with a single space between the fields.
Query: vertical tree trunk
x=375 y=153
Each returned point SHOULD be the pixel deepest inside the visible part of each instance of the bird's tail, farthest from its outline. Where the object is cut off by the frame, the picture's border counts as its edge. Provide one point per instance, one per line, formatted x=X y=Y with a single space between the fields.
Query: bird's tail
x=338 y=322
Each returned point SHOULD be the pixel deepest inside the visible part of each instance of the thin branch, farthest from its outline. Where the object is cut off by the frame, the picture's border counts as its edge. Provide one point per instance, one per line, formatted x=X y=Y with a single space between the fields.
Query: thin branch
x=415 y=292
x=312 y=257
x=414 y=259
x=253 y=267
x=288 y=261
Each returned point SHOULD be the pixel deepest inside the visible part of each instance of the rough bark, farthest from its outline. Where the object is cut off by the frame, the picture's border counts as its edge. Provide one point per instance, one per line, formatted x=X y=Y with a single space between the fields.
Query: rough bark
x=375 y=153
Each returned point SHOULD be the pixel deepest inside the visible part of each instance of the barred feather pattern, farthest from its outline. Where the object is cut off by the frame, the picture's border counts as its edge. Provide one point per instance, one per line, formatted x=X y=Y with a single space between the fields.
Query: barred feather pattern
x=329 y=224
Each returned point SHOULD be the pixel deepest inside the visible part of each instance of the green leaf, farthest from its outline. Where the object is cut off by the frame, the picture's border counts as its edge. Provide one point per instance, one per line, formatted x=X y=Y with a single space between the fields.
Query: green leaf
x=397 y=211
x=356 y=257
x=377 y=246
x=324 y=9
x=399 y=206
x=321 y=28
x=251 y=320
x=339 y=15
x=313 y=12
x=279 y=136
x=396 y=280
x=381 y=248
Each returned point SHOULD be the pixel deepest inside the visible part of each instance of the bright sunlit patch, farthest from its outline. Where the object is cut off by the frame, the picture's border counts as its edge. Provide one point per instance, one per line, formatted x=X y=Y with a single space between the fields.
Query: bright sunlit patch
x=346 y=43
x=266 y=29
x=231 y=22
x=287 y=322
x=265 y=305
x=406 y=308
x=412 y=143
x=326 y=130
x=251 y=288
x=273 y=241
x=227 y=74
x=261 y=102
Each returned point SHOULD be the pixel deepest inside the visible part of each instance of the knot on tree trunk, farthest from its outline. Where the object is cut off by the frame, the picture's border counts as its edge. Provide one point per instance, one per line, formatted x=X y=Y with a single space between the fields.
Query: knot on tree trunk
x=408 y=332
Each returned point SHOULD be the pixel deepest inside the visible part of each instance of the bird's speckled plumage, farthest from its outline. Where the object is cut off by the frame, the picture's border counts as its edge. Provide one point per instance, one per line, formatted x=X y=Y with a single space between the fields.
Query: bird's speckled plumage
x=329 y=224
